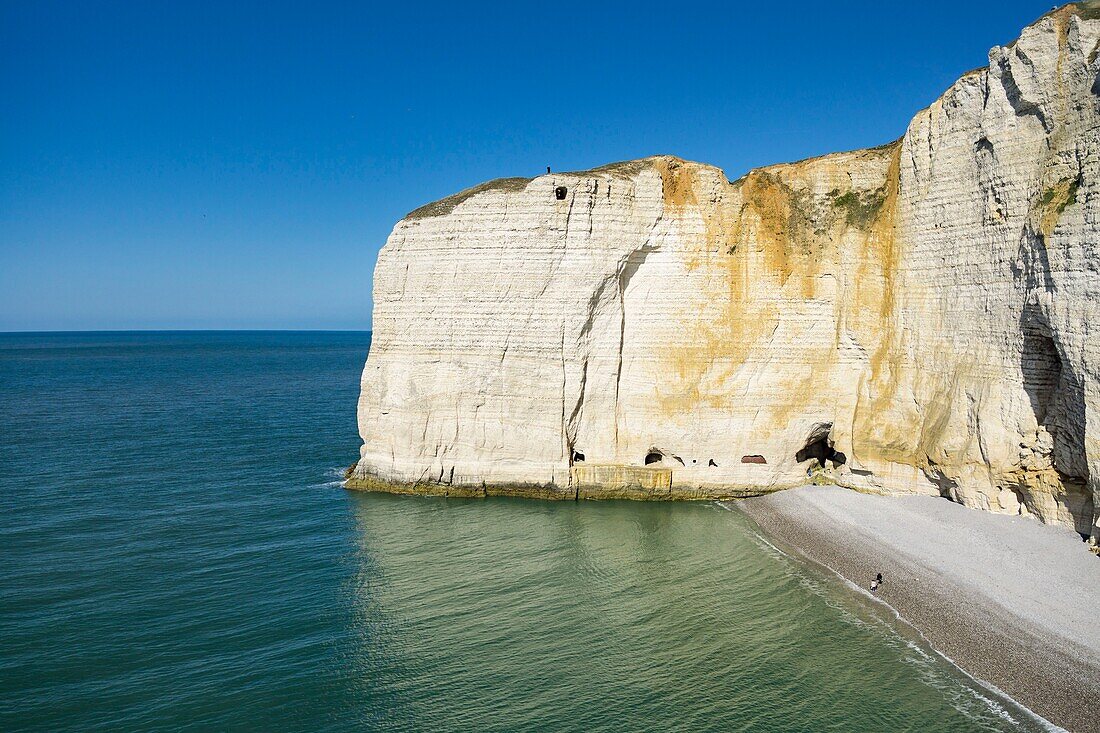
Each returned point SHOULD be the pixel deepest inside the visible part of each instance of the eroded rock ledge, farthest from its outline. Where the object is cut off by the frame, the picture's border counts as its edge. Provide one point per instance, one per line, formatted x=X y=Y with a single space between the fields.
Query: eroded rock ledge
x=910 y=318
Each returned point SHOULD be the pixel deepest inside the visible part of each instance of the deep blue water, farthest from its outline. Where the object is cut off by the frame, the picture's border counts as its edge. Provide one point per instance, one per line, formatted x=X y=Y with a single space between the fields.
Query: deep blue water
x=178 y=555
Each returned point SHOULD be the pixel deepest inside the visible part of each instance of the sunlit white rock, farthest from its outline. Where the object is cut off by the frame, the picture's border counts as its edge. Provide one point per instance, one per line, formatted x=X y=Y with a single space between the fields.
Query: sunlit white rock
x=923 y=309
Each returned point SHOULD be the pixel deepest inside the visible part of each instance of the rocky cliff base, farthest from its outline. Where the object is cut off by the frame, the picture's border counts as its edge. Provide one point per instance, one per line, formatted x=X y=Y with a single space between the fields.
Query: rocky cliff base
x=586 y=483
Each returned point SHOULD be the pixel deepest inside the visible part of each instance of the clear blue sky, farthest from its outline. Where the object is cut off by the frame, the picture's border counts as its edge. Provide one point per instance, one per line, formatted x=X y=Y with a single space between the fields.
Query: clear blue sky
x=238 y=165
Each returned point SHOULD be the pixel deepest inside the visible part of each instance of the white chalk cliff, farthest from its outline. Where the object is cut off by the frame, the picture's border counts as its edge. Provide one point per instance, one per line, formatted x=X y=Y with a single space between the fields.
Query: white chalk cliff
x=919 y=317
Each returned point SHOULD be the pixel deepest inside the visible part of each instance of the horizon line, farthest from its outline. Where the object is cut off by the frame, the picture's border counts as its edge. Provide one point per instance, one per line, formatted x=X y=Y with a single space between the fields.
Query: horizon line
x=190 y=330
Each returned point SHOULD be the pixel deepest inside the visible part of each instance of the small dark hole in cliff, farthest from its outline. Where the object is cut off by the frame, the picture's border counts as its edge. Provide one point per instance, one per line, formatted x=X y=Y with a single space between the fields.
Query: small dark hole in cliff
x=560 y=192
x=578 y=457
x=760 y=460
x=712 y=464
x=653 y=457
x=819 y=447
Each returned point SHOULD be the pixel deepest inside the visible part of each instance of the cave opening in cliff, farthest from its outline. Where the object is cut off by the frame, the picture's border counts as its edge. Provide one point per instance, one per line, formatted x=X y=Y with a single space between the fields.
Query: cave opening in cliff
x=653 y=457
x=578 y=457
x=560 y=192
x=1056 y=397
x=819 y=447
x=1041 y=369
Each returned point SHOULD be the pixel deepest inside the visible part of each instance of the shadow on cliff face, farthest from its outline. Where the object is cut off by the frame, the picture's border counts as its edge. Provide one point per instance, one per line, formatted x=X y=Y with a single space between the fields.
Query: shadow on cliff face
x=1021 y=105
x=1054 y=389
x=1032 y=268
x=611 y=289
x=1041 y=368
x=1057 y=400
x=633 y=262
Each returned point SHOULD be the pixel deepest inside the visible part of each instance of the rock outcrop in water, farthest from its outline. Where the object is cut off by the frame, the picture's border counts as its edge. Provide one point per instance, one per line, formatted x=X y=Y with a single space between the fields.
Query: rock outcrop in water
x=918 y=317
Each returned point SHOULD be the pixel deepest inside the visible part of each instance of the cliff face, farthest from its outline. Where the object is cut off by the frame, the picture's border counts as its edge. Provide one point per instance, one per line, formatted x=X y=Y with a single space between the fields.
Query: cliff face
x=911 y=318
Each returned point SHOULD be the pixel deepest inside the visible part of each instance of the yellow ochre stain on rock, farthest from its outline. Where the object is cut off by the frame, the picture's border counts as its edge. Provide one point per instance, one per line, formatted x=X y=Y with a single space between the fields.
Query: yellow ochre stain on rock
x=676 y=181
x=758 y=248
x=876 y=285
x=717 y=330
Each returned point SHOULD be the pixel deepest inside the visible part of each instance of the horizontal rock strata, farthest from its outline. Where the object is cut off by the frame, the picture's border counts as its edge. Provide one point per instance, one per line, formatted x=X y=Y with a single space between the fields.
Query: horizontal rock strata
x=916 y=317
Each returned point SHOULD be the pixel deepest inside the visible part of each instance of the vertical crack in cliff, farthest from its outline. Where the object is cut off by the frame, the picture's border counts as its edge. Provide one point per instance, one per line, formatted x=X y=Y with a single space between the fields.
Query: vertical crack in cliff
x=571 y=416
x=566 y=444
x=628 y=267
x=994 y=211
x=619 y=279
x=1022 y=106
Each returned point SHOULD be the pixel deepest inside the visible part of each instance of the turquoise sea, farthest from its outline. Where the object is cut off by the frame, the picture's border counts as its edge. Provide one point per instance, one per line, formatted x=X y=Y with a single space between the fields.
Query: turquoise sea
x=177 y=554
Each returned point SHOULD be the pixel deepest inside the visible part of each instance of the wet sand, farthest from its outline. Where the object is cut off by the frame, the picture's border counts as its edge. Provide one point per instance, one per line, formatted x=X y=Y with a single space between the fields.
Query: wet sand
x=1013 y=602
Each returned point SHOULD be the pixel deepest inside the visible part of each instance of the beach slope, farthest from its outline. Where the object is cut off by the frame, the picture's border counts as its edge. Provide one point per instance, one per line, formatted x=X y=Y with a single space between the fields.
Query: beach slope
x=1011 y=601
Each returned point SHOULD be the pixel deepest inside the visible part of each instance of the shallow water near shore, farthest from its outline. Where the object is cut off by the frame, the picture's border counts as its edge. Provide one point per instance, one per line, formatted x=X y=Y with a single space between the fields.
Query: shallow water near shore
x=180 y=556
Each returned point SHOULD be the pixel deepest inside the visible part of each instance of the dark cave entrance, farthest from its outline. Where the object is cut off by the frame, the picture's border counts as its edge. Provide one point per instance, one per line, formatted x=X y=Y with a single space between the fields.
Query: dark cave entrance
x=1041 y=368
x=819 y=447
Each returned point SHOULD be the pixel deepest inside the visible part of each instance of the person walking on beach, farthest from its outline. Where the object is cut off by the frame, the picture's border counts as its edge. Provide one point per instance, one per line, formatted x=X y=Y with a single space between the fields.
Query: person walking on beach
x=876 y=582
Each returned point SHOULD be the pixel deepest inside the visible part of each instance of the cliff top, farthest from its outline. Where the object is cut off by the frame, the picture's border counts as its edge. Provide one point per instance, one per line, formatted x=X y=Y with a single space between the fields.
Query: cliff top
x=621 y=169
x=446 y=205
x=1086 y=10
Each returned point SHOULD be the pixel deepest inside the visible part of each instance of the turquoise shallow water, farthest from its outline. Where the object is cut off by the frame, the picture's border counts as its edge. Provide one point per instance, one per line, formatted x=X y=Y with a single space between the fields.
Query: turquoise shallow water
x=178 y=555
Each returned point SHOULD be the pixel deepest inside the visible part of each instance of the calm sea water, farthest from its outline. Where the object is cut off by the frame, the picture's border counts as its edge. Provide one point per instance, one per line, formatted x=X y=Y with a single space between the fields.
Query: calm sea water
x=177 y=554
